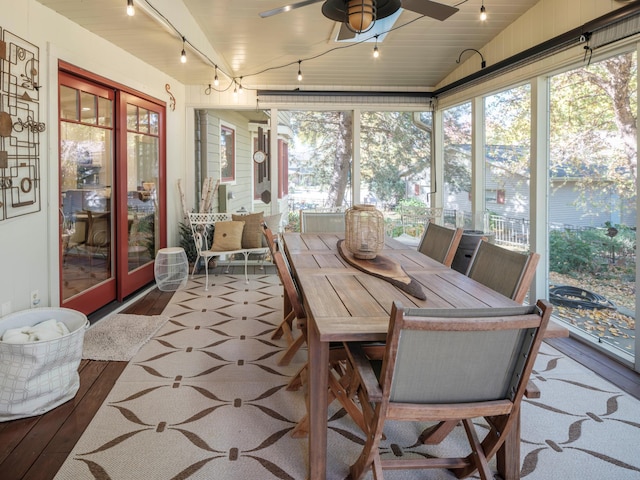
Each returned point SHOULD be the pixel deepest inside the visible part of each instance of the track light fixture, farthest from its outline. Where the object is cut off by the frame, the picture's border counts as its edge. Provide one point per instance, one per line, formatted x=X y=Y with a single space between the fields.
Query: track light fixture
x=299 y=71
x=483 y=12
x=131 y=11
x=183 y=54
x=376 y=52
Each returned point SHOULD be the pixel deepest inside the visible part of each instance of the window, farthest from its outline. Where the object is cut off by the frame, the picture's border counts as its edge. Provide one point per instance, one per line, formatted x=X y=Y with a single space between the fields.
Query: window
x=227 y=153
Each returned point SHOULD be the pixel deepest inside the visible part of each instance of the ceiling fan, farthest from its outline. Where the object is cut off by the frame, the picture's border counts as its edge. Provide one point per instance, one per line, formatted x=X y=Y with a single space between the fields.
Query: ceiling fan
x=359 y=16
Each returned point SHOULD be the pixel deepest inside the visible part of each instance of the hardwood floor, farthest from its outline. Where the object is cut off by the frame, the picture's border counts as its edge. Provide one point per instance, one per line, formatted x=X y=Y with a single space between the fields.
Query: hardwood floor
x=35 y=448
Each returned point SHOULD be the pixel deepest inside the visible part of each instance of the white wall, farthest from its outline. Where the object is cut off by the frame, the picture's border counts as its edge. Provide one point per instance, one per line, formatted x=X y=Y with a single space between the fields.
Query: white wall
x=29 y=244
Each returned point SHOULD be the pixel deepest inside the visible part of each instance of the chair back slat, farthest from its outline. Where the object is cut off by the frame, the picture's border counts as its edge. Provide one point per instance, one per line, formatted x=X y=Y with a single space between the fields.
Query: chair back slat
x=505 y=271
x=440 y=243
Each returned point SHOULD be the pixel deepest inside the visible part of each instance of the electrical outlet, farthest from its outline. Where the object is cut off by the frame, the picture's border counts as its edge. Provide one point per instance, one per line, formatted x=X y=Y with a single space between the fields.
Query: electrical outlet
x=6 y=308
x=35 y=298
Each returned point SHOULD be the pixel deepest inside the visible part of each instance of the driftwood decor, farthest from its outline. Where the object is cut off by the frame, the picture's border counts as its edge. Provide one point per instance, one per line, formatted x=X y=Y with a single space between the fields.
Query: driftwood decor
x=384 y=268
x=20 y=127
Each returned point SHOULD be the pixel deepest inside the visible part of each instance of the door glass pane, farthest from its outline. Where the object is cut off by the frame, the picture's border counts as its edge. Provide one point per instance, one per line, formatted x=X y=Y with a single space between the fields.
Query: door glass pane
x=144 y=120
x=456 y=123
x=86 y=177
x=142 y=198
x=88 y=107
x=132 y=117
x=68 y=103
x=105 y=111
x=592 y=204
x=154 y=120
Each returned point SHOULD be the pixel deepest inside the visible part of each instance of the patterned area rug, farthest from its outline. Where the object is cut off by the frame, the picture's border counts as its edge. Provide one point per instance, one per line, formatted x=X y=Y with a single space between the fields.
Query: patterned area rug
x=205 y=399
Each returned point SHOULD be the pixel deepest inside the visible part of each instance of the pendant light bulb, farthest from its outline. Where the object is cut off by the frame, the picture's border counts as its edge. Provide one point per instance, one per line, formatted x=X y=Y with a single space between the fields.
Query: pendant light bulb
x=131 y=11
x=216 y=82
x=235 y=89
x=240 y=90
x=299 y=71
x=183 y=54
x=376 y=52
x=483 y=13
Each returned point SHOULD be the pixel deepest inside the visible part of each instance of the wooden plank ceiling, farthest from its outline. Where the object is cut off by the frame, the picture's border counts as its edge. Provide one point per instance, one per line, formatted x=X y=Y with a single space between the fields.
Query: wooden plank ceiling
x=233 y=36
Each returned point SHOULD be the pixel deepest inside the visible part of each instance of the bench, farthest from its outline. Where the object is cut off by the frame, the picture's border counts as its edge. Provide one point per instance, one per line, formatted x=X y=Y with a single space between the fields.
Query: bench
x=202 y=224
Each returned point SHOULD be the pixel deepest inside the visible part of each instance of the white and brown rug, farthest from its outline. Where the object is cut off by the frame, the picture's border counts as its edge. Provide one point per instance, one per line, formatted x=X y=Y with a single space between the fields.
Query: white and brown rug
x=205 y=399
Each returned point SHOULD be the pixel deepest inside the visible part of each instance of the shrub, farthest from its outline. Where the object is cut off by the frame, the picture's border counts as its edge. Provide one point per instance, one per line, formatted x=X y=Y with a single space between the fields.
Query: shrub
x=569 y=252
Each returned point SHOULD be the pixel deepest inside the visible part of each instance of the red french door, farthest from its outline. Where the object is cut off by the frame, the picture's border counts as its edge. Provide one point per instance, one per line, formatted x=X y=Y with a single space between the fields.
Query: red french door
x=111 y=191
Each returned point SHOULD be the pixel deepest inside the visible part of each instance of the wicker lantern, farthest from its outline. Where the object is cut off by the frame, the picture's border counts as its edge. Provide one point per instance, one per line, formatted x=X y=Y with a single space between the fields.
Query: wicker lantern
x=364 y=231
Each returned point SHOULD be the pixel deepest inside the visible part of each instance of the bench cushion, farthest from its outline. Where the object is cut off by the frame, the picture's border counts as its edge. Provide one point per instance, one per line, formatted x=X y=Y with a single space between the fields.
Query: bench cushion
x=252 y=233
x=227 y=236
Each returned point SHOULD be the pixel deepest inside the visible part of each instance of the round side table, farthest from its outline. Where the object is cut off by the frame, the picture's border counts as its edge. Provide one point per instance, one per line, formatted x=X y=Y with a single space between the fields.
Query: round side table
x=171 y=269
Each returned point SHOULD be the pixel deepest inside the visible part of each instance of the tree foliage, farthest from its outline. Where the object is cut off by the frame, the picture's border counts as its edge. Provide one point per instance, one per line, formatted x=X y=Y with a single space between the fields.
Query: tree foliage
x=394 y=149
x=593 y=127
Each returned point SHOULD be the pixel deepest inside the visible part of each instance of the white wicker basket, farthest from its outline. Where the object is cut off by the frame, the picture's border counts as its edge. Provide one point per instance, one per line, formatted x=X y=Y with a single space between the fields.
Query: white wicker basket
x=37 y=377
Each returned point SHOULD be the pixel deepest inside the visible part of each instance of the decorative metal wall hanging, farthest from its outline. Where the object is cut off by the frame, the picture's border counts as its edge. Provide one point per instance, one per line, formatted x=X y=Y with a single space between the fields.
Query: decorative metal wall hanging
x=20 y=126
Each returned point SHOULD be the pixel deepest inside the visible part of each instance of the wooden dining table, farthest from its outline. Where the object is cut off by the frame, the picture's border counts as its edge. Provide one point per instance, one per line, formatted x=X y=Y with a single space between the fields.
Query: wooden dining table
x=343 y=303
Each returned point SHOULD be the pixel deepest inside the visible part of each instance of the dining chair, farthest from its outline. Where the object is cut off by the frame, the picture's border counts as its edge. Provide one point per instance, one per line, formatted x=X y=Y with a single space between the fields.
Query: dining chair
x=293 y=310
x=448 y=365
x=505 y=271
x=338 y=381
x=314 y=221
x=440 y=243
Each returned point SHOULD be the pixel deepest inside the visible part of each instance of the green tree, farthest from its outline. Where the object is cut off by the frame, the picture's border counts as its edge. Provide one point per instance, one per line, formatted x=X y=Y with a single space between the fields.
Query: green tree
x=593 y=134
x=394 y=149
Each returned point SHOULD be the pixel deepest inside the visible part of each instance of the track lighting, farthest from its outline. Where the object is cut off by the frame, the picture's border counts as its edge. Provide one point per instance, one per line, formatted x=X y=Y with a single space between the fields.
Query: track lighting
x=299 y=71
x=183 y=54
x=131 y=11
x=483 y=12
x=216 y=82
x=376 y=52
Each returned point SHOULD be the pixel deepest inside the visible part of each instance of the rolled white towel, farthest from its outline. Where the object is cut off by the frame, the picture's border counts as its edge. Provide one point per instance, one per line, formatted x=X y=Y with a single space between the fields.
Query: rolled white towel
x=17 y=335
x=48 y=330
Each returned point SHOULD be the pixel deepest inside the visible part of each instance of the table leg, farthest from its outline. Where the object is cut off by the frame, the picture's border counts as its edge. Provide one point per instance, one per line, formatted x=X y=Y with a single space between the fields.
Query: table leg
x=508 y=456
x=317 y=398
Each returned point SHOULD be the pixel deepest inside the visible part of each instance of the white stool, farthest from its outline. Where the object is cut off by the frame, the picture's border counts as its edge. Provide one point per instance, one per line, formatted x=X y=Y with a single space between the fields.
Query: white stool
x=171 y=269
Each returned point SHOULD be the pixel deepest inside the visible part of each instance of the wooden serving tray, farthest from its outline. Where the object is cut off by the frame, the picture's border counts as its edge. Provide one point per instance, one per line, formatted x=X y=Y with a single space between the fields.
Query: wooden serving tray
x=384 y=268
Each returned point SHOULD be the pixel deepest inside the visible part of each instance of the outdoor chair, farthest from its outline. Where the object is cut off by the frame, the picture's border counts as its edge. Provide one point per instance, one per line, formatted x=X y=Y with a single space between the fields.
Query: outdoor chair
x=440 y=243
x=294 y=311
x=505 y=271
x=292 y=305
x=314 y=221
x=448 y=365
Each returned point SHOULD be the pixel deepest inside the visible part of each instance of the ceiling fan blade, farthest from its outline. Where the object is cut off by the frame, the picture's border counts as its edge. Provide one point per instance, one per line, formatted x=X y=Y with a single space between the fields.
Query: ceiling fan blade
x=287 y=8
x=428 y=8
x=345 y=33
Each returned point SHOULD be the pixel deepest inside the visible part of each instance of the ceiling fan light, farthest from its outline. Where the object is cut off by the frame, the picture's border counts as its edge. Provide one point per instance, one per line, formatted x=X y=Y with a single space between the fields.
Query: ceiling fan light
x=361 y=14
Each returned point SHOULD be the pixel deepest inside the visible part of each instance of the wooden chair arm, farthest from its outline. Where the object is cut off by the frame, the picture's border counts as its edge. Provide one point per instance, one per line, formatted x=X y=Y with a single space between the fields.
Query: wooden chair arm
x=363 y=369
